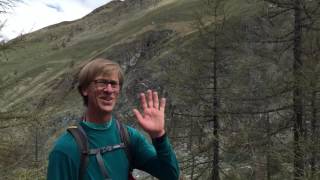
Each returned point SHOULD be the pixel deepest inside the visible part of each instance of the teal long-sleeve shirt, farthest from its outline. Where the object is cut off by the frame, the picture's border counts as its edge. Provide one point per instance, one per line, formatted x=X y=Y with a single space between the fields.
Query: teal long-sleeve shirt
x=157 y=159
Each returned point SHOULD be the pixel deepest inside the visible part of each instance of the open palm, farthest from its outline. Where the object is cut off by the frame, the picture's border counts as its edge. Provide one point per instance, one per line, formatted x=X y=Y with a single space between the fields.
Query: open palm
x=152 y=119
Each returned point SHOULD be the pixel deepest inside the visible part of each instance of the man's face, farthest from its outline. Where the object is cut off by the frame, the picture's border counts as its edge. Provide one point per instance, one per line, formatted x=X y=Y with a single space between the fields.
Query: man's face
x=103 y=92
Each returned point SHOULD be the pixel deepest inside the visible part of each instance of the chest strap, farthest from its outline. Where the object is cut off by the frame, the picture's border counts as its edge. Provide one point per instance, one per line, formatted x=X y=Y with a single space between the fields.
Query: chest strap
x=99 y=151
x=106 y=149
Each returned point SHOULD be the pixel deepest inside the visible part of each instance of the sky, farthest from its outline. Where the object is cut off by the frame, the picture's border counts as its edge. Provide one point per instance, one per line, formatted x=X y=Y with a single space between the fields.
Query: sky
x=31 y=15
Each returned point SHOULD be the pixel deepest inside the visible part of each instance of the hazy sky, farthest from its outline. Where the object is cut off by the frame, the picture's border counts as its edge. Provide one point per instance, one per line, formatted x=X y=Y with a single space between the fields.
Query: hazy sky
x=32 y=15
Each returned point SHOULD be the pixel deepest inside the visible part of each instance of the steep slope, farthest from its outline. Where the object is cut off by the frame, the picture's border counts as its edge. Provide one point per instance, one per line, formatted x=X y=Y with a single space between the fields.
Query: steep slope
x=37 y=94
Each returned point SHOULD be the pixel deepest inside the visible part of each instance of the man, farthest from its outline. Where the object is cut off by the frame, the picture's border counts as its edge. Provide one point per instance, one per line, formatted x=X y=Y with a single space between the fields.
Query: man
x=100 y=82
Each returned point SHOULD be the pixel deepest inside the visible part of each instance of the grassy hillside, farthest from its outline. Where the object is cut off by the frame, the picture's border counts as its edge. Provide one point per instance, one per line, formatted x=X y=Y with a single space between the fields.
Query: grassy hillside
x=38 y=98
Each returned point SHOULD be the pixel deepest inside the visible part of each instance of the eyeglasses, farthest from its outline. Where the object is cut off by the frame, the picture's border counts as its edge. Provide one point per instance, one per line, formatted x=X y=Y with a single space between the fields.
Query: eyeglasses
x=101 y=84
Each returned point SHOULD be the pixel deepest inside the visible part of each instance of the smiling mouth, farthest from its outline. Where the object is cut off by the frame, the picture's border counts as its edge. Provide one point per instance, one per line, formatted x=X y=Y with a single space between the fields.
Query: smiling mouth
x=106 y=98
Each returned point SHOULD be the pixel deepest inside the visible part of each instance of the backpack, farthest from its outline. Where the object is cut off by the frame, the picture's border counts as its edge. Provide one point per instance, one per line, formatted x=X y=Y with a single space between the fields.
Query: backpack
x=82 y=141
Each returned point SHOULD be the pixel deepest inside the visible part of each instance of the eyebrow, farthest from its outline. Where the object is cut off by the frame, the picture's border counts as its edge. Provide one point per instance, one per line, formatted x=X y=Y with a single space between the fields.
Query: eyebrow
x=106 y=81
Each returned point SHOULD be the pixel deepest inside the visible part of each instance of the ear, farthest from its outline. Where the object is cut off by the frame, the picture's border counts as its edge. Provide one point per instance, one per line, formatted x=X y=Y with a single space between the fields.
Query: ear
x=84 y=92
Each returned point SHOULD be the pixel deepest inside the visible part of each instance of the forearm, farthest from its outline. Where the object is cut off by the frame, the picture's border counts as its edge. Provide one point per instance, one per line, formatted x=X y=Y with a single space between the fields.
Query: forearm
x=164 y=165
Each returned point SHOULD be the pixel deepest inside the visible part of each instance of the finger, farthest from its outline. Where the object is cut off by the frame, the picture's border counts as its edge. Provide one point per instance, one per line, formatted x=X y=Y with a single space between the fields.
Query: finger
x=138 y=115
x=162 y=104
x=155 y=100
x=143 y=101
x=150 y=100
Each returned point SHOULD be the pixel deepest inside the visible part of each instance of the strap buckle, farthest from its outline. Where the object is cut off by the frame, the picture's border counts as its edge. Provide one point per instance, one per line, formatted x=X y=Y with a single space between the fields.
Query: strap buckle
x=106 y=149
x=85 y=152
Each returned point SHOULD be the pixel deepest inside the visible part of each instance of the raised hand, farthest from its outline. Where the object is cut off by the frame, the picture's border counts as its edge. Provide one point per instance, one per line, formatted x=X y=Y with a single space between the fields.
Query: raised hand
x=152 y=119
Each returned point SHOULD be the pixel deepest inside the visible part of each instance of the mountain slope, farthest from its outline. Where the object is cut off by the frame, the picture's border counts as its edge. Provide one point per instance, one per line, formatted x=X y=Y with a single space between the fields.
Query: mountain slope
x=38 y=97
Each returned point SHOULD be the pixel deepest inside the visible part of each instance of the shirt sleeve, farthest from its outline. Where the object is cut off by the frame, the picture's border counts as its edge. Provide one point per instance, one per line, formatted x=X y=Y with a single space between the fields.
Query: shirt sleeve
x=61 y=167
x=158 y=159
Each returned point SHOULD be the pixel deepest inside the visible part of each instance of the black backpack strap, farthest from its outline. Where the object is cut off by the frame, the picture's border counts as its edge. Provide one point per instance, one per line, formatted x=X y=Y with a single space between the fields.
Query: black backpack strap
x=82 y=141
x=124 y=136
x=102 y=167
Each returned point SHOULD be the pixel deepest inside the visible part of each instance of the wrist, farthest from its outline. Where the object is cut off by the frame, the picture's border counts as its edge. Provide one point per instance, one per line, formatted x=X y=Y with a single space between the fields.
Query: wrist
x=159 y=139
x=158 y=134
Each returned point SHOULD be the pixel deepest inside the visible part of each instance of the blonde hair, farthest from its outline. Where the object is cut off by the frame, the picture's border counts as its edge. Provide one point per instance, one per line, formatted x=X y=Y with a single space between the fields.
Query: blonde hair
x=94 y=68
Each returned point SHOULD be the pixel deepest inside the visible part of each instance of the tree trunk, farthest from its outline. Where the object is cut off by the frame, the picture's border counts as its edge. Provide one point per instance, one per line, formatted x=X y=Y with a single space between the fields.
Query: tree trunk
x=215 y=162
x=313 y=134
x=297 y=94
x=269 y=145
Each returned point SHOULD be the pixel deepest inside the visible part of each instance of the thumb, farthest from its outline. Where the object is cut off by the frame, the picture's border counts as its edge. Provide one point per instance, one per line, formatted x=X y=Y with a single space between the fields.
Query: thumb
x=138 y=115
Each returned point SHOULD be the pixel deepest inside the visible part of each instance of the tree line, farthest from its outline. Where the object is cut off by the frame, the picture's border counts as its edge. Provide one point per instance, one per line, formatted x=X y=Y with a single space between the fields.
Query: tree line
x=255 y=93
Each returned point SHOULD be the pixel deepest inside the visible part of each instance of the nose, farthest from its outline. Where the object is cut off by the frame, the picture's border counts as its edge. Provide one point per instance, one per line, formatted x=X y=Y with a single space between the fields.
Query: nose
x=108 y=88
